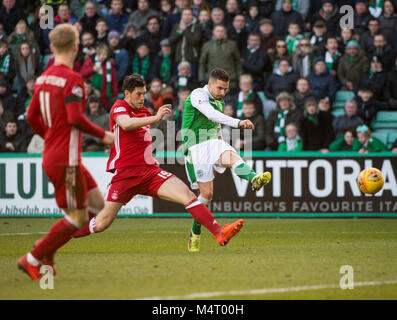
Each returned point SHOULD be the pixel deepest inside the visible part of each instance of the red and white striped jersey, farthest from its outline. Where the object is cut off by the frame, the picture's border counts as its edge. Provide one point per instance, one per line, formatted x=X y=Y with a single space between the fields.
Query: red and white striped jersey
x=56 y=112
x=131 y=148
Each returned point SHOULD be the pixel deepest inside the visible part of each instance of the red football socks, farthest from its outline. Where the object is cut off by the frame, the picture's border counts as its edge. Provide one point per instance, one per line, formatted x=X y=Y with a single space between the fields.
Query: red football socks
x=202 y=215
x=85 y=230
x=58 y=235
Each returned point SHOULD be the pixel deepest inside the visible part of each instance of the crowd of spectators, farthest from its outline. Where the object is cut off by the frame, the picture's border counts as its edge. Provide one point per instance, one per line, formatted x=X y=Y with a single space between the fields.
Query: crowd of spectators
x=286 y=60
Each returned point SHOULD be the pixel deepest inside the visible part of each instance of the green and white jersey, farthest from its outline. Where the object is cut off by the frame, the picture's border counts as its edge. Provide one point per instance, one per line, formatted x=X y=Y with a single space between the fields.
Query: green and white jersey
x=202 y=115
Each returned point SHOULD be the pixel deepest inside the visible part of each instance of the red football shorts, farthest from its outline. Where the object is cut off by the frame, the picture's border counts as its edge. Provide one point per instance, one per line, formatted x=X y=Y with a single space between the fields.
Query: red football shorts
x=71 y=185
x=126 y=184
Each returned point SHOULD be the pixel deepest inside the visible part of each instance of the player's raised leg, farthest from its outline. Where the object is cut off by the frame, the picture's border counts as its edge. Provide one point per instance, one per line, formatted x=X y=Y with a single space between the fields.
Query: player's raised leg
x=231 y=159
x=175 y=190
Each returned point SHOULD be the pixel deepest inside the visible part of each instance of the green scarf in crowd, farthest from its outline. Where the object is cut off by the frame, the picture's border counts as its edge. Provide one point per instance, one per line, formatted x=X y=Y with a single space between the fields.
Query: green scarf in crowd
x=165 y=68
x=141 y=68
x=312 y=117
x=5 y=64
x=240 y=101
x=97 y=77
x=280 y=125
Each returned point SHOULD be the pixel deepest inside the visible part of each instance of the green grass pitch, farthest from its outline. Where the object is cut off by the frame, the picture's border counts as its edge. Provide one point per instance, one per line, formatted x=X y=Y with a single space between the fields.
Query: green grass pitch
x=269 y=259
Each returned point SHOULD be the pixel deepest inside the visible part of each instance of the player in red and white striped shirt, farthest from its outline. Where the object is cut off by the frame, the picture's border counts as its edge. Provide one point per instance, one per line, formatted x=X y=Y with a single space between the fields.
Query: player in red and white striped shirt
x=56 y=113
x=137 y=172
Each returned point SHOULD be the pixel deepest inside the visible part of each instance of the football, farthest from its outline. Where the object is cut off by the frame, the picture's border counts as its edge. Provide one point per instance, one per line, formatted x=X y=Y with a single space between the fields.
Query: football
x=370 y=180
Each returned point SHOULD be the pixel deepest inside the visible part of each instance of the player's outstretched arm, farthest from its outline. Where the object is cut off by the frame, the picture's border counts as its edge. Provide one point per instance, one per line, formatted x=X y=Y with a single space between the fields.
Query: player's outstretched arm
x=201 y=102
x=127 y=123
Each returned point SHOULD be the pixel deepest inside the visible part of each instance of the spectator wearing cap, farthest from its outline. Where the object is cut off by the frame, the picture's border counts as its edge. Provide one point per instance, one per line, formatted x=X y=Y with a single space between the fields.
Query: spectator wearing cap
x=303 y=59
x=368 y=143
x=142 y=61
x=391 y=88
x=281 y=18
x=383 y=51
x=97 y=115
x=268 y=38
x=89 y=16
x=348 y=120
x=376 y=78
x=322 y=83
x=301 y=6
x=151 y=35
x=118 y=17
x=367 y=106
x=220 y=52
x=352 y=65
x=10 y=14
x=318 y=37
x=11 y=139
x=238 y=33
x=283 y=80
x=184 y=78
x=121 y=56
x=173 y=18
x=185 y=38
x=163 y=64
x=361 y=16
x=332 y=55
x=302 y=93
x=255 y=61
x=329 y=13
x=139 y=17
x=316 y=128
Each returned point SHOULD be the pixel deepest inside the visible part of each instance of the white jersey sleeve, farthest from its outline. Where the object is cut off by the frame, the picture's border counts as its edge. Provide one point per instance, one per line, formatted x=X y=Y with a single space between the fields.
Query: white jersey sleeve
x=200 y=100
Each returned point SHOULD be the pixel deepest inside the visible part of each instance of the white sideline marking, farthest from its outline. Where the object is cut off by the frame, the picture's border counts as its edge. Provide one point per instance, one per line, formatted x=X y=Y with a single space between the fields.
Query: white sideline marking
x=201 y=295
x=21 y=233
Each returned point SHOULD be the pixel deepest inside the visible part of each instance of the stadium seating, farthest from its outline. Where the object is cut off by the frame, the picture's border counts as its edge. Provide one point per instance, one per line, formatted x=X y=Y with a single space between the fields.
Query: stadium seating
x=391 y=137
x=341 y=97
x=382 y=136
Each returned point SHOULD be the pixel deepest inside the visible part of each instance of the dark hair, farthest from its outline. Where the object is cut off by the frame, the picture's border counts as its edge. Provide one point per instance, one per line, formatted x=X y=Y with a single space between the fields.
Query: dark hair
x=153 y=17
x=294 y=23
x=249 y=102
x=219 y=74
x=133 y=81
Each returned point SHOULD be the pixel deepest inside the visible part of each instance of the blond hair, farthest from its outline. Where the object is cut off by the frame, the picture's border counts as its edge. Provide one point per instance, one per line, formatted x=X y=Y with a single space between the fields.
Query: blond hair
x=64 y=37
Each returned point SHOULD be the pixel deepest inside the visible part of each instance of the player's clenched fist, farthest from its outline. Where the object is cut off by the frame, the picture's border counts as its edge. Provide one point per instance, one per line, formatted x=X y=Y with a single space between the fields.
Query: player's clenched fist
x=108 y=139
x=246 y=124
x=162 y=111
